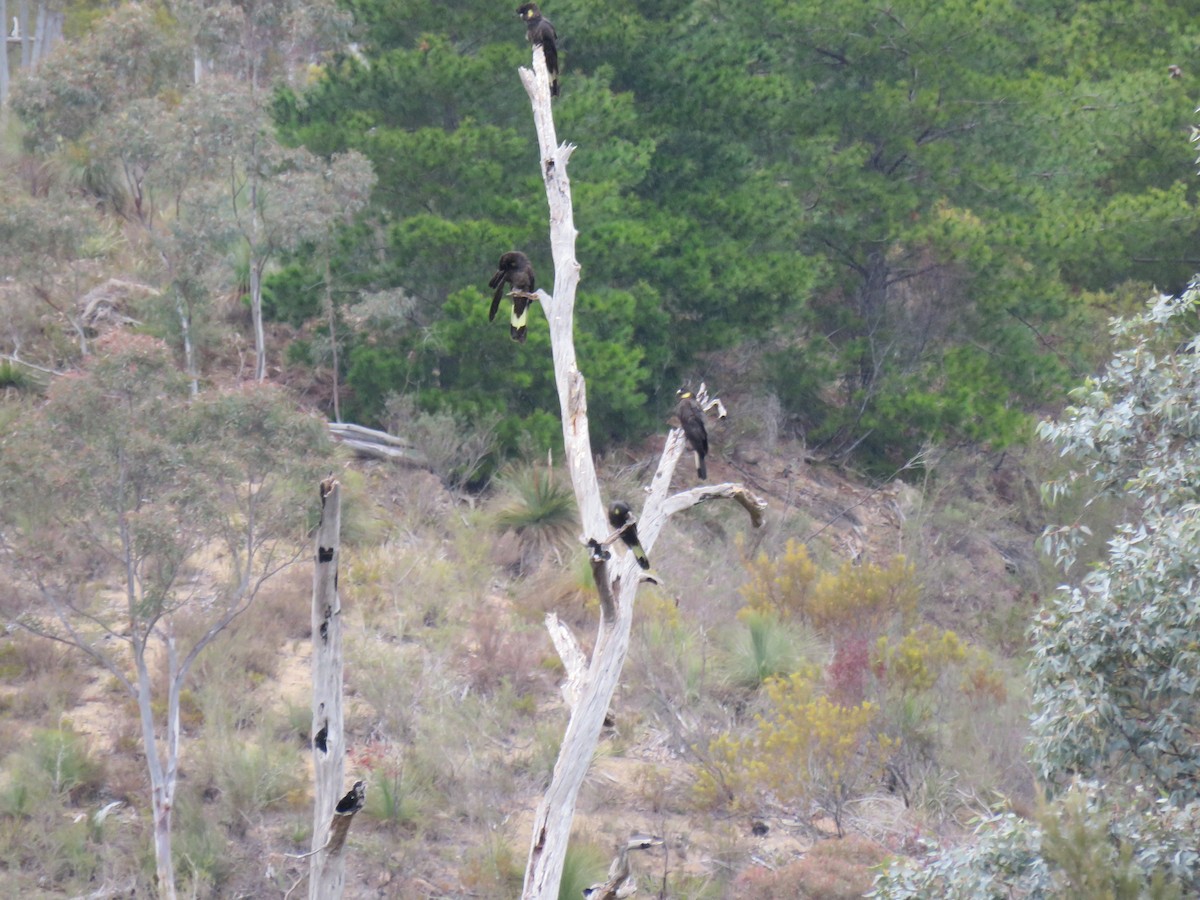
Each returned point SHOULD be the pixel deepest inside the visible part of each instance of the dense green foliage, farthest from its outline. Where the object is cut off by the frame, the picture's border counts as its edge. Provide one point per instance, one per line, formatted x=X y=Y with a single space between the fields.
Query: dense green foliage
x=1116 y=660
x=906 y=218
x=905 y=222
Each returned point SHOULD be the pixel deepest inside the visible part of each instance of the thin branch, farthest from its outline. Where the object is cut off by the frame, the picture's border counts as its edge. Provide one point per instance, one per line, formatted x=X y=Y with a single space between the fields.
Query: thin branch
x=12 y=358
x=304 y=856
x=76 y=640
x=79 y=644
x=299 y=881
x=752 y=503
x=52 y=598
x=659 y=507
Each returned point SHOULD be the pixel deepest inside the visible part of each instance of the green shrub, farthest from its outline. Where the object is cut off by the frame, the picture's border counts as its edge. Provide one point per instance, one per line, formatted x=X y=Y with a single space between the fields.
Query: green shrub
x=493 y=868
x=201 y=848
x=255 y=775
x=63 y=759
x=292 y=294
x=585 y=864
x=14 y=376
x=458 y=446
x=401 y=785
x=765 y=649
x=1089 y=864
x=300 y=353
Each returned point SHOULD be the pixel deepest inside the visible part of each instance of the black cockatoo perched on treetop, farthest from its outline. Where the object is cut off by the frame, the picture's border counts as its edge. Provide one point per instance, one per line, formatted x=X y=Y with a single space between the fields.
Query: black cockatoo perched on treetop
x=539 y=31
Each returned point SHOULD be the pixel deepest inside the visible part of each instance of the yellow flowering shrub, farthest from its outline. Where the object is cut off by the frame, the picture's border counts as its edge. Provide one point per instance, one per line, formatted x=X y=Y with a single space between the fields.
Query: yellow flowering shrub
x=858 y=597
x=658 y=607
x=864 y=597
x=807 y=752
x=915 y=662
x=779 y=586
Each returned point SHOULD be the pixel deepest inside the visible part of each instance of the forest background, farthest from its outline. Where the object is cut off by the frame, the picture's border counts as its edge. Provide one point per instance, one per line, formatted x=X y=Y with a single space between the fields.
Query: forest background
x=892 y=235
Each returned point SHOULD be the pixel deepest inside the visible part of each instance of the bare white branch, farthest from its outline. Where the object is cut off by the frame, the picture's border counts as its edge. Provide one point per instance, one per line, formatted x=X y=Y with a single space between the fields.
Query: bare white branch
x=572 y=658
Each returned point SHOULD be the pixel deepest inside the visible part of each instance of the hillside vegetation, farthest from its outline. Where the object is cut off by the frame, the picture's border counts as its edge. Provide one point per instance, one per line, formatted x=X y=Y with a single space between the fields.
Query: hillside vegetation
x=890 y=238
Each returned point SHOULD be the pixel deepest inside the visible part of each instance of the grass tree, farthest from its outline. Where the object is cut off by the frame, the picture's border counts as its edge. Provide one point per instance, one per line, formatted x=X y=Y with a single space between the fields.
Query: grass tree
x=540 y=511
x=617 y=575
x=141 y=521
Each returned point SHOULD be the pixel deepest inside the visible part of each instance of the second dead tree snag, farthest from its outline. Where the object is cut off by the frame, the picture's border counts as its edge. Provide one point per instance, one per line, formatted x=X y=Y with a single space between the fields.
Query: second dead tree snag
x=331 y=816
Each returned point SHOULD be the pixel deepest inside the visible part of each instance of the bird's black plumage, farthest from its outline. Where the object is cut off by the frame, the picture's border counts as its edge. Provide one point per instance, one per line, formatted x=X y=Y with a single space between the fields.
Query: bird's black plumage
x=354 y=800
x=513 y=269
x=539 y=31
x=691 y=417
x=620 y=516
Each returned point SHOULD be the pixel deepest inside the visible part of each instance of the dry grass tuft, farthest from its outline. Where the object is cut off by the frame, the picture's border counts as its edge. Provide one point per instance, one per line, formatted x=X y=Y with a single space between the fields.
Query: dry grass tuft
x=494 y=653
x=835 y=869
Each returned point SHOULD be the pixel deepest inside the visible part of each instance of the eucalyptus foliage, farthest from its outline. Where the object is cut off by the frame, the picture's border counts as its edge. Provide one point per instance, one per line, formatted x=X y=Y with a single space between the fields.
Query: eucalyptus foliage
x=1116 y=656
x=1118 y=661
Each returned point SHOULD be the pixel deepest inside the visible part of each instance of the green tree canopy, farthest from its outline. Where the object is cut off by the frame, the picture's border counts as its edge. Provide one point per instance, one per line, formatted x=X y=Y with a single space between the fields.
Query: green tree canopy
x=911 y=216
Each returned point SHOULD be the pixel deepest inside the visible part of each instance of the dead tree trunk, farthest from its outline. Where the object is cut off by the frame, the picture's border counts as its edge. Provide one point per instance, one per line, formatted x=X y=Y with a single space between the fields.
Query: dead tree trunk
x=619 y=577
x=327 y=872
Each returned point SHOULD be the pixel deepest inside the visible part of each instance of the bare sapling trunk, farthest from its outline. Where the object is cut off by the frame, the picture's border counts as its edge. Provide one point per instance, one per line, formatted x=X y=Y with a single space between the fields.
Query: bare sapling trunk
x=162 y=775
x=26 y=33
x=260 y=336
x=591 y=689
x=39 y=37
x=333 y=348
x=331 y=819
x=4 y=31
x=256 y=311
x=189 y=353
